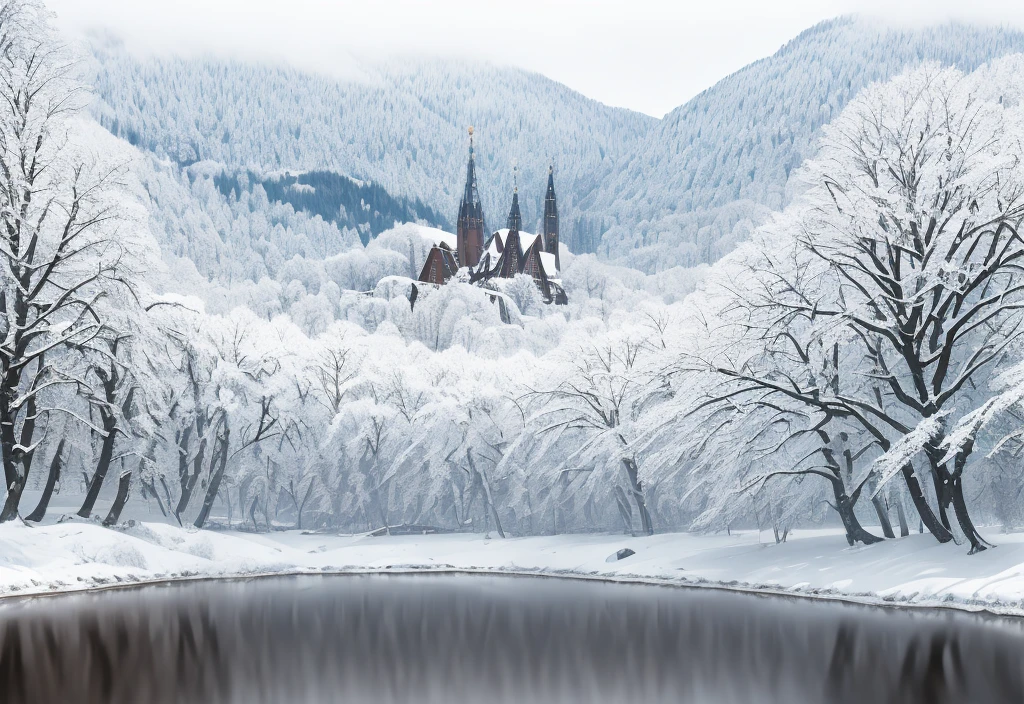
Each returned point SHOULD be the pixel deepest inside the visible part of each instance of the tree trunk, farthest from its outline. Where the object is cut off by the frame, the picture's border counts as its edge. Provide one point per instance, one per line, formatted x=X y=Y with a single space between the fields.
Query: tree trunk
x=636 y=487
x=102 y=466
x=252 y=513
x=928 y=518
x=16 y=468
x=956 y=492
x=51 y=482
x=953 y=483
x=188 y=484
x=942 y=497
x=904 y=528
x=487 y=493
x=182 y=439
x=855 y=532
x=883 y=517
x=167 y=495
x=8 y=442
x=302 y=506
x=151 y=488
x=123 y=485
x=214 y=487
x=14 y=492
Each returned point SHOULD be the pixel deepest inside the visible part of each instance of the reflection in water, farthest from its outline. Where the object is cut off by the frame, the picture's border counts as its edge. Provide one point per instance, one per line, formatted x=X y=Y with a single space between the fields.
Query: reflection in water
x=460 y=639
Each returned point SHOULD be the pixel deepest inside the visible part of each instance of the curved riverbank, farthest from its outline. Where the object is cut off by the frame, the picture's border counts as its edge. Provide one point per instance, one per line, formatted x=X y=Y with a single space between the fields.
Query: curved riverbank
x=911 y=572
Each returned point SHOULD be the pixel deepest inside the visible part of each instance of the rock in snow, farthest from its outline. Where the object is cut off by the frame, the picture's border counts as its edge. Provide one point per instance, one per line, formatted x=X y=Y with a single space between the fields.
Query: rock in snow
x=620 y=555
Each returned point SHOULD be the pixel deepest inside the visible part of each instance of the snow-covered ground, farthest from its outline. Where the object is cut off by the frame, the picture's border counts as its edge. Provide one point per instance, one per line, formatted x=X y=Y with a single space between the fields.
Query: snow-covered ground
x=913 y=570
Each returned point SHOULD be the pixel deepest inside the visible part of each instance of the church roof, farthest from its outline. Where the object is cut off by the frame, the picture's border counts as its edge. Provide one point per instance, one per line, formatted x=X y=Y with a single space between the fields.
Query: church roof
x=496 y=245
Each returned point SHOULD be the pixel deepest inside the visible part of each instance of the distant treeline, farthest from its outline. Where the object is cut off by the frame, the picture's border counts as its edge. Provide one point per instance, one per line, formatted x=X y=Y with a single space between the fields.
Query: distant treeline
x=361 y=205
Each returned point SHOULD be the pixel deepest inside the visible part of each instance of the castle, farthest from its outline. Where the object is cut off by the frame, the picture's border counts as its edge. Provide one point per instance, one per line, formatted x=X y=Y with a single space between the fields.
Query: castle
x=505 y=253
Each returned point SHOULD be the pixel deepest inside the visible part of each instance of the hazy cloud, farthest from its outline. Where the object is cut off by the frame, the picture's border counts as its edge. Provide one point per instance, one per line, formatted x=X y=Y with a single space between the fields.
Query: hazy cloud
x=646 y=55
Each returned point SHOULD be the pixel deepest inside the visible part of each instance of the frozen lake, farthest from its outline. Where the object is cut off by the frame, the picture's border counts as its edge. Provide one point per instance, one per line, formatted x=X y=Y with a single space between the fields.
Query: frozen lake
x=448 y=638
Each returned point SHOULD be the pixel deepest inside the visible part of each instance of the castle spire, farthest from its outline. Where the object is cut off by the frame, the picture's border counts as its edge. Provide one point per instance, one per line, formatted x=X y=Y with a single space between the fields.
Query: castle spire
x=470 y=227
x=515 y=219
x=551 y=218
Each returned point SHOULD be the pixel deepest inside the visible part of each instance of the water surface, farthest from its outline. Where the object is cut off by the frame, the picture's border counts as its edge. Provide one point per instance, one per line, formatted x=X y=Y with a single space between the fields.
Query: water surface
x=461 y=639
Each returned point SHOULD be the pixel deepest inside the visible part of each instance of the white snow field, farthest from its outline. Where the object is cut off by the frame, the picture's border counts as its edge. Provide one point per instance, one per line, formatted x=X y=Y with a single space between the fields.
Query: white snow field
x=915 y=570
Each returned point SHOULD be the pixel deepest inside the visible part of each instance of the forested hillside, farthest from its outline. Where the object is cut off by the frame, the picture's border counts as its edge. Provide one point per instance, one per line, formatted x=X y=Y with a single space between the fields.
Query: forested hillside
x=679 y=191
x=713 y=167
x=358 y=205
x=403 y=127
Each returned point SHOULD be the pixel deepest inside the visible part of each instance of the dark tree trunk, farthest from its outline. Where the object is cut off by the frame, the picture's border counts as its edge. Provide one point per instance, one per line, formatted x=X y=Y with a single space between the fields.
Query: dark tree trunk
x=218 y=475
x=955 y=491
x=188 y=483
x=15 y=461
x=883 y=517
x=844 y=507
x=8 y=441
x=14 y=492
x=252 y=513
x=51 y=482
x=844 y=503
x=942 y=496
x=102 y=466
x=928 y=518
x=964 y=519
x=182 y=440
x=123 y=485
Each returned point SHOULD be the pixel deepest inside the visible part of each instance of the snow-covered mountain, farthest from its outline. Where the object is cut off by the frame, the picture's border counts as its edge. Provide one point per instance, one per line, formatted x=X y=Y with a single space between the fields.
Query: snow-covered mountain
x=645 y=192
x=715 y=164
x=403 y=126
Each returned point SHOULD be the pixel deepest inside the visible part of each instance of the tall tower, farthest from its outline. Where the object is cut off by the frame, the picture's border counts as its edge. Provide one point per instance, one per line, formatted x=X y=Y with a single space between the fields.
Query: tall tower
x=470 y=228
x=551 y=219
x=515 y=219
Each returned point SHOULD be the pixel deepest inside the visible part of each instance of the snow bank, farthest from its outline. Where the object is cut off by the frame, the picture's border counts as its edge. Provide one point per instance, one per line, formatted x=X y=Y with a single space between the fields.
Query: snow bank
x=913 y=570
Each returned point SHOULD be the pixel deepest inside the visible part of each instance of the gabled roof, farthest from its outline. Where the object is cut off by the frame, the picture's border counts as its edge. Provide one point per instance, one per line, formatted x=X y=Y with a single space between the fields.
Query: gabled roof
x=510 y=262
x=443 y=258
x=495 y=247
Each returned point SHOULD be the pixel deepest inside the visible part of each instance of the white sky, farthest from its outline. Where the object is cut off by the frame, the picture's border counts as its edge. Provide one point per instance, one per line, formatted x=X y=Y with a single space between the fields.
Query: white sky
x=642 y=54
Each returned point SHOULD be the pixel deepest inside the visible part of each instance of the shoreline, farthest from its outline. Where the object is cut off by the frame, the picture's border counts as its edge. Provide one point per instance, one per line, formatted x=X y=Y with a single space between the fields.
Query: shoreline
x=78 y=557
x=989 y=609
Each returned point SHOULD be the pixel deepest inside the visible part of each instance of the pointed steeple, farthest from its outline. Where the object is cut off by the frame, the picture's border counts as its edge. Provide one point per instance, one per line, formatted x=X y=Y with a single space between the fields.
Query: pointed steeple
x=515 y=219
x=551 y=218
x=470 y=227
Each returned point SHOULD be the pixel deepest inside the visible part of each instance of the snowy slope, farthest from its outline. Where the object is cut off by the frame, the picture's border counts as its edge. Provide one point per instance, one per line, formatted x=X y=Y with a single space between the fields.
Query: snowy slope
x=914 y=570
x=403 y=126
x=715 y=165
x=680 y=191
